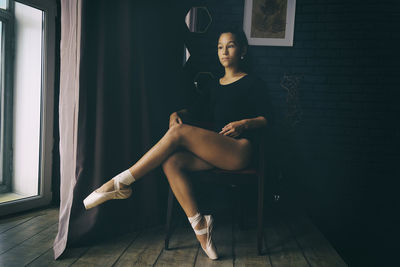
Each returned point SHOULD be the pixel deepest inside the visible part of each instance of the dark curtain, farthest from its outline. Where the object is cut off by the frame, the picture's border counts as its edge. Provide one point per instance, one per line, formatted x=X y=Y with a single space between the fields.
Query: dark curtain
x=130 y=81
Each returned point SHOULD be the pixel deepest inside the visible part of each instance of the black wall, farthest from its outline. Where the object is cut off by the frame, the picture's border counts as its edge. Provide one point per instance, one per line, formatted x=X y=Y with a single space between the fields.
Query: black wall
x=337 y=142
x=340 y=158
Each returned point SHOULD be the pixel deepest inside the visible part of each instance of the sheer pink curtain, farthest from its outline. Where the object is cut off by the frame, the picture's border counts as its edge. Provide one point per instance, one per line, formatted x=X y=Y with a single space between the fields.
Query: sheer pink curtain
x=68 y=112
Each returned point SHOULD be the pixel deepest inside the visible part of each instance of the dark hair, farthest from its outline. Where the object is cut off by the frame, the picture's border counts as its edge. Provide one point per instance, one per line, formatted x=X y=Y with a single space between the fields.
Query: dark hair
x=242 y=42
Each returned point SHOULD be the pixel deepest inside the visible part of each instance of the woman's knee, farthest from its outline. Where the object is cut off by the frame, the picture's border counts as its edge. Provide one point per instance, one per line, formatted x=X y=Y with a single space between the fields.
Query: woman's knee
x=173 y=163
x=175 y=133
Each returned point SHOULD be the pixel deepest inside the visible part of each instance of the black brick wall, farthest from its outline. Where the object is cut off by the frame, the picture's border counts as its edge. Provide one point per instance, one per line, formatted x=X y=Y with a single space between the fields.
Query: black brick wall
x=342 y=157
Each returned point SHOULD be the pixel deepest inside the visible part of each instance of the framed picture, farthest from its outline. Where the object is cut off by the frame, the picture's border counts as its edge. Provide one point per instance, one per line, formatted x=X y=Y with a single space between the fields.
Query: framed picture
x=269 y=22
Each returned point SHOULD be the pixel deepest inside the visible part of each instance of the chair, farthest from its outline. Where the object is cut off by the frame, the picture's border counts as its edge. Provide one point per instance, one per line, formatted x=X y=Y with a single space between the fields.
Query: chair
x=257 y=171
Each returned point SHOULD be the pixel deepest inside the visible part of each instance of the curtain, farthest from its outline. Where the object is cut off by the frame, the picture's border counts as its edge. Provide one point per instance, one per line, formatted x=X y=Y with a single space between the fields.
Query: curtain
x=120 y=78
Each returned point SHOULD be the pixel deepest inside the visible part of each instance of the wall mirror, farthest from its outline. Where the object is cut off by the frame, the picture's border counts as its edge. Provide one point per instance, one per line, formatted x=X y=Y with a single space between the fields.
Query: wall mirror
x=198 y=19
x=186 y=54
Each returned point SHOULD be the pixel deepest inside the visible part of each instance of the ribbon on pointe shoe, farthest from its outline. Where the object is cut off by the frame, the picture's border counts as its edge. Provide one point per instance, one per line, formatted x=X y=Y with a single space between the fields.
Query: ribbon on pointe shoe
x=210 y=249
x=96 y=198
x=124 y=177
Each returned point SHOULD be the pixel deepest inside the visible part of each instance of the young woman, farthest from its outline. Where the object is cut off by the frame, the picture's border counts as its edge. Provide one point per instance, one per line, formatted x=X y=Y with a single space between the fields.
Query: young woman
x=237 y=108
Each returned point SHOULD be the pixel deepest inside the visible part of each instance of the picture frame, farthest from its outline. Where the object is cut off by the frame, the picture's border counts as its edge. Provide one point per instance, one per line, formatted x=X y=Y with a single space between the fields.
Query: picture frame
x=269 y=22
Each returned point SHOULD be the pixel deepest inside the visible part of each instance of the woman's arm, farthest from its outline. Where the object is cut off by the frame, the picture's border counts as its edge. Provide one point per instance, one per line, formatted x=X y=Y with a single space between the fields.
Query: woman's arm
x=236 y=128
x=254 y=123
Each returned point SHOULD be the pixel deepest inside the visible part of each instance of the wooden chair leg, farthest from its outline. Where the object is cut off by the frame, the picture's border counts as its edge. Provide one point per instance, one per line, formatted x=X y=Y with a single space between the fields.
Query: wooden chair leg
x=260 y=213
x=170 y=208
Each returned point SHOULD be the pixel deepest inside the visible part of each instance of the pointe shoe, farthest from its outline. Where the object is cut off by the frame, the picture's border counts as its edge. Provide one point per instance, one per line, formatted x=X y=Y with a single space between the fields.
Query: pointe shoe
x=97 y=198
x=210 y=249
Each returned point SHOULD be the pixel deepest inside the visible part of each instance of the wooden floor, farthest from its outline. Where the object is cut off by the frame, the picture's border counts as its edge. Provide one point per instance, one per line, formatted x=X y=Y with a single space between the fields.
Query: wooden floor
x=291 y=240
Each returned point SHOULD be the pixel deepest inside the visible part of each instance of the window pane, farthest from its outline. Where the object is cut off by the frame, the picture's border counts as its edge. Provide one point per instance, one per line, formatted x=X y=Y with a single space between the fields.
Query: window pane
x=3 y=4
x=27 y=87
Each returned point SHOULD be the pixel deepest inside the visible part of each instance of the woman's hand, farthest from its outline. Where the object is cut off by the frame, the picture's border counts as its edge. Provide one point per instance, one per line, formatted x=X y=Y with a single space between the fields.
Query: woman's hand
x=234 y=129
x=174 y=119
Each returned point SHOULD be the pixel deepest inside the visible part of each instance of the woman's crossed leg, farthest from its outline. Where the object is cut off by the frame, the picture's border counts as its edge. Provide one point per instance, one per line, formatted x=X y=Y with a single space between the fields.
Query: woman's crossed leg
x=218 y=150
x=212 y=148
x=189 y=148
x=221 y=151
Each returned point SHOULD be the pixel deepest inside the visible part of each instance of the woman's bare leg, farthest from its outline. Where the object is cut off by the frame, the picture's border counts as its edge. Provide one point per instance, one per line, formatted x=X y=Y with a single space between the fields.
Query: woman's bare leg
x=209 y=149
x=175 y=168
x=221 y=151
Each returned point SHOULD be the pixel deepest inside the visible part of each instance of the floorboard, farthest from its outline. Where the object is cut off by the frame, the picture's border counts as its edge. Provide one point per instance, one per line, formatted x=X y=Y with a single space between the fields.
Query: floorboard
x=25 y=230
x=281 y=245
x=145 y=250
x=11 y=221
x=68 y=258
x=106 y=253
x=291 y=239
x=317 y=250
x=246 y=253
x=29 y=250
x=183 y=251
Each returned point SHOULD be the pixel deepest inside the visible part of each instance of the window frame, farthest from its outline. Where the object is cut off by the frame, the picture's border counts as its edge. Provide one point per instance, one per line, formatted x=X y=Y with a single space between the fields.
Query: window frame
x=7 y=18
x=44 y=197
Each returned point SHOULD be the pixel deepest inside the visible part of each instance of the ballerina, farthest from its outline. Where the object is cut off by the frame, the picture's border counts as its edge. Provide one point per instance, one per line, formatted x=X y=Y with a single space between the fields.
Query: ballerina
x=237 y=109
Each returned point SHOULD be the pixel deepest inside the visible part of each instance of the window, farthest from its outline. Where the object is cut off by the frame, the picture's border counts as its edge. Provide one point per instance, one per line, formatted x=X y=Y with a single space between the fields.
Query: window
x=27 y=89
x=3 y=4
x=6 y=23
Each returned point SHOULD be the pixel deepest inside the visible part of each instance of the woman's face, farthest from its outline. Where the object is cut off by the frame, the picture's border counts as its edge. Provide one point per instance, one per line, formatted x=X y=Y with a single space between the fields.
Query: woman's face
x=228 y=50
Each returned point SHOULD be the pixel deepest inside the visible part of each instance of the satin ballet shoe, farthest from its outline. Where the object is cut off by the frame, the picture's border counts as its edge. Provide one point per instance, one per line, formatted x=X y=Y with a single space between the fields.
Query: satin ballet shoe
x=210 y=249
x=97 y=198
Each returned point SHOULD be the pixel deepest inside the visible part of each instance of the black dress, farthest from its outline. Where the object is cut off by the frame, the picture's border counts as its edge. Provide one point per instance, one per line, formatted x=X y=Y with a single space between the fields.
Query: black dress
x=219 y=104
